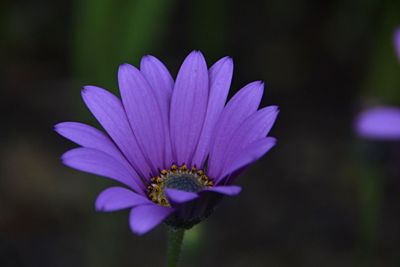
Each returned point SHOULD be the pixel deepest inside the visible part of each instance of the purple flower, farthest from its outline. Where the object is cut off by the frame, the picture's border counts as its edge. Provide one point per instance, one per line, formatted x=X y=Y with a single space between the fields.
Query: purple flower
x=382 y=123
x=396 y=39
x=175 y=146
x=379 y=123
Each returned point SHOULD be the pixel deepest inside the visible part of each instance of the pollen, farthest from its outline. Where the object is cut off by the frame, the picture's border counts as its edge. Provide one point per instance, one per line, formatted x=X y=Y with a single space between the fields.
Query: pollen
x=182 y=178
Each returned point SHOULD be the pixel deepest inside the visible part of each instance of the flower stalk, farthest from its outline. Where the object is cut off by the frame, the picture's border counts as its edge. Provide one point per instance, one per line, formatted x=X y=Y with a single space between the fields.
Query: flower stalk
x=175 y=238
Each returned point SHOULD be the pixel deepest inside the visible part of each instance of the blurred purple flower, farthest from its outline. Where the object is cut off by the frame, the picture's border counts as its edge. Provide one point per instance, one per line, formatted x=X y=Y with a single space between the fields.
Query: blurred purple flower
x=396 y=39
x=176 y=146
x=379 y=123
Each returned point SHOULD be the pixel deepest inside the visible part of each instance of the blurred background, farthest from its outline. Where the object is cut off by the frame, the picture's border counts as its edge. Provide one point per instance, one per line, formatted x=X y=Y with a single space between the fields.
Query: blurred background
x=321 y=197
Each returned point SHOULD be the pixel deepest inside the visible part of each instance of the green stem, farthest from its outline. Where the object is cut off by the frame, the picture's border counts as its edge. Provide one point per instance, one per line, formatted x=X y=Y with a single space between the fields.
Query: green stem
x=175 y=238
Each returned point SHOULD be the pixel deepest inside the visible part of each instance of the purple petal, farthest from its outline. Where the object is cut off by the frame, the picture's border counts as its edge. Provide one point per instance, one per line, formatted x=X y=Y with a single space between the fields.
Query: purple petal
x=178 y=196
x=118 y=198
x=220 y=75
x=161 y=84
x=396 y=38
x=229 y=190
x=144 y=218
x=97 y=162
x=143 y=113
x=243 y=104
x=254 y=128
x=188 y=106
x=90 y=137
x=249 y=155
x=158 y=76
x=379 y=123
x=108 y=110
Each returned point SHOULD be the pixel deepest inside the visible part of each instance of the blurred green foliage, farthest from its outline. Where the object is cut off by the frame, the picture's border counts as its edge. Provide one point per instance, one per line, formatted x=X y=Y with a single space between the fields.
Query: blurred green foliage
x=383 y=81
x=108 y=33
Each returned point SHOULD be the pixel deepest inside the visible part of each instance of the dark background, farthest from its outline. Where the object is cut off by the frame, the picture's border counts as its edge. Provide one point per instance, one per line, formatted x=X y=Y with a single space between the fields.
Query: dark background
x=321 y=197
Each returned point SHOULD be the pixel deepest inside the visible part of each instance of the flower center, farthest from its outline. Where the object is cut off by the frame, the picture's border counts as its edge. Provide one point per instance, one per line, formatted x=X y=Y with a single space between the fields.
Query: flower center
x=192 y=180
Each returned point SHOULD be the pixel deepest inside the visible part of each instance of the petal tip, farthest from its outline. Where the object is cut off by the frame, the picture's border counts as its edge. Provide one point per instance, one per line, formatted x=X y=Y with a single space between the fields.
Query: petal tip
x=125 y=67
x=88 y=90
x=139 y=232
x=148 y=57
x=229 y=61
x=98 y=206
x=145 y=59
x=179 y=196
x=145 y=218
x=149 y=61
x=84 y=91
x=273 y=141
x=256 y=85
x=56 y=127
x=275 y=108
x=63 y=158
x=196 y=54
x=227 y=58
x=226 y=62
x=228 y=190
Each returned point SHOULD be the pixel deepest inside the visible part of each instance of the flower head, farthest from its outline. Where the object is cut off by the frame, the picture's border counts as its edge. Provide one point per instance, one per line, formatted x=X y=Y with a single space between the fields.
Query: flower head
x=174 y=145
